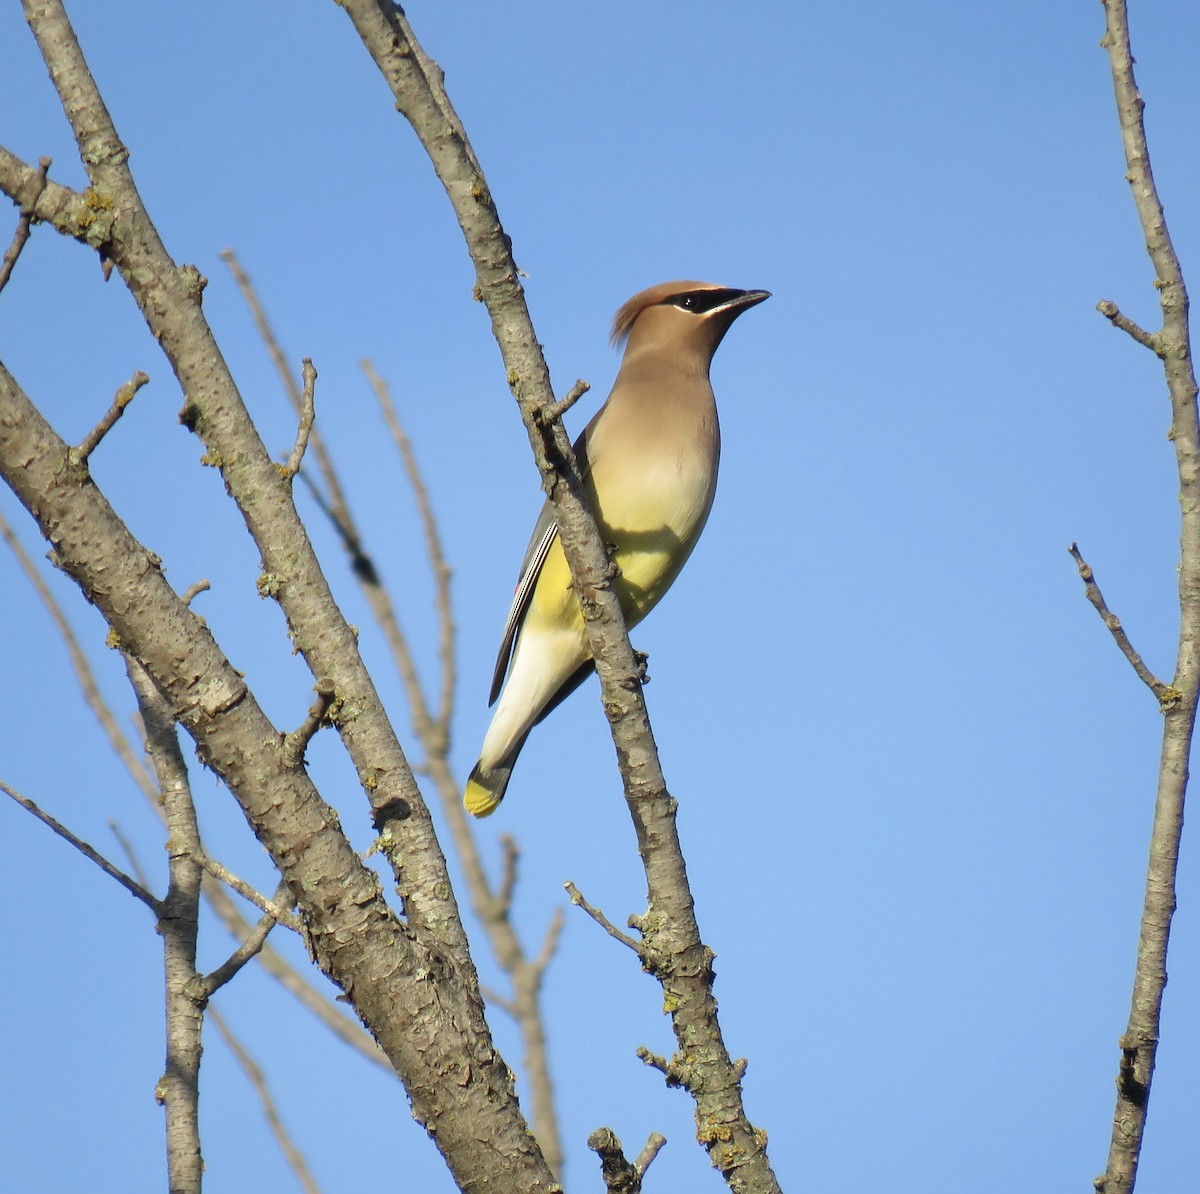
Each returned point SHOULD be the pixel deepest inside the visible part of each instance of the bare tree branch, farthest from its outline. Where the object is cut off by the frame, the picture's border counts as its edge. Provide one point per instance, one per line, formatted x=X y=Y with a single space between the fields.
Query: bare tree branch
x=493 y=910
x=434 y=732
x=271 y=908
x=307 y=414
x=21 y=234
x=620 y=1176
x=602 y=920
x=123 y=397
x=671 y=949
x=83 y=670
x=355 y=936
x=296 y=743
x=352 y=929
x=252 y=1070
x=179 y=926
x=288 y=977
x=131 y=885
x=1112 y=313
x=218 y=899
x=203 y=987
x=1164 y=692
x=1172 y=344
x=556 y=410
x=439 y=730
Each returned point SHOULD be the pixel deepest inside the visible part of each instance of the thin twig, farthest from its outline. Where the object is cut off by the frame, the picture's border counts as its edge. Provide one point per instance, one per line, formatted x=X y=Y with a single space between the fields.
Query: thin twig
x=1112 y=313
x=1164 y=692
x=131 y=885
x=556 y=410
x=308 y=413
x=333 y=501
x=24 y=224
x=254 y=1073
x=203 y=987
x=433 y=550
x=653 y=1146
x=550 y=941
x=602 y=920
x=511 y=857
x=260 y=901
x=194 y=590
x=123 y=397
x=84 y=675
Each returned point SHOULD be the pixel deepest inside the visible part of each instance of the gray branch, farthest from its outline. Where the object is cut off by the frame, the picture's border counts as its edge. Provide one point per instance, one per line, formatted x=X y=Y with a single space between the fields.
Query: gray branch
x=1139 y=1043
x=671 y=947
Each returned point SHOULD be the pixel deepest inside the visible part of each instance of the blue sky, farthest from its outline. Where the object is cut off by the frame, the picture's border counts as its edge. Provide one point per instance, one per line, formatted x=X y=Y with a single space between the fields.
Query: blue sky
x=915 y=775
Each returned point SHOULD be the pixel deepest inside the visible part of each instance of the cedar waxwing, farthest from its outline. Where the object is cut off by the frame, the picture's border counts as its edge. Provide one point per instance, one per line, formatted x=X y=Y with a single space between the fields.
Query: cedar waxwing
x=649 y=465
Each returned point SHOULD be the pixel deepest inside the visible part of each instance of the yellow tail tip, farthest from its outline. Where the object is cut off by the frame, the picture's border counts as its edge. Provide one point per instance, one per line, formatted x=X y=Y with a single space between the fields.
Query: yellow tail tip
x=480 y=801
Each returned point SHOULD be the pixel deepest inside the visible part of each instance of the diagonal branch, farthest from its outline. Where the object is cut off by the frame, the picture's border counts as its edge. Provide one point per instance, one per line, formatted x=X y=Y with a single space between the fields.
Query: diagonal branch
x=131 y=885
x=356 y=938
x=1091 y=590
x=672 y=948
x=205 y=986
x=218 y=898
x=24 y=225
x=493 y=912
x=433 y=551
x=352 y=928
x=257 y=1079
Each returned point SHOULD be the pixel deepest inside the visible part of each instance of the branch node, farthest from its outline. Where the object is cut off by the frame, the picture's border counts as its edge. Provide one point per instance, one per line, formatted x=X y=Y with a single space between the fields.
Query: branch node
x=122 y=398
x=1112 y=313
x=620 y=1177
x=193 y=591
x=548 y=415
x=675 y=1071
x=194 y=283
x=296 y=743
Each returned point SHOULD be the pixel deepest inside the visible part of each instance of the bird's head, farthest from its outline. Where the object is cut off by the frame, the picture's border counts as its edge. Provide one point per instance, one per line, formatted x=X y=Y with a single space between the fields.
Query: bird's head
x=683 y=317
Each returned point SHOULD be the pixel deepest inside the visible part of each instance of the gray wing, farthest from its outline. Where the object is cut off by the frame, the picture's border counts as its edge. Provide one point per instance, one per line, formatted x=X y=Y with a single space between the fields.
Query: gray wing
x=544 y=534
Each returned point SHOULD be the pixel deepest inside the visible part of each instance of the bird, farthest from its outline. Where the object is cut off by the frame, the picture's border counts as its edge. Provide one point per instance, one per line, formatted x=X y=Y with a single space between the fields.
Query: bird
x=648 y=460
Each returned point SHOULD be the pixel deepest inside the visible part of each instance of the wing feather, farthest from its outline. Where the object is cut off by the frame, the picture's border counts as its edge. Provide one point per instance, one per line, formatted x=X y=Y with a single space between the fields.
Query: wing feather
x=544 y=535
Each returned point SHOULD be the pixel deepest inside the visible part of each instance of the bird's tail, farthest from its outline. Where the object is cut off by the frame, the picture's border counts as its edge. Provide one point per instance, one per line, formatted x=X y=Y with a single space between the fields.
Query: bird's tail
x=486 y=785
x=485 y=790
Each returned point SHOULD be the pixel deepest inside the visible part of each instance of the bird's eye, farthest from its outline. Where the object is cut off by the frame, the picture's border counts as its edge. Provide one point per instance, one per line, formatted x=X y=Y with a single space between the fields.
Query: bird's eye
x=700 y=302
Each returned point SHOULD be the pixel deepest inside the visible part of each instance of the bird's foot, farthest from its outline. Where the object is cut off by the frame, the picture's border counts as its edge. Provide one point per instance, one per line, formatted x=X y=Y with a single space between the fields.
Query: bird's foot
x=643 y=661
